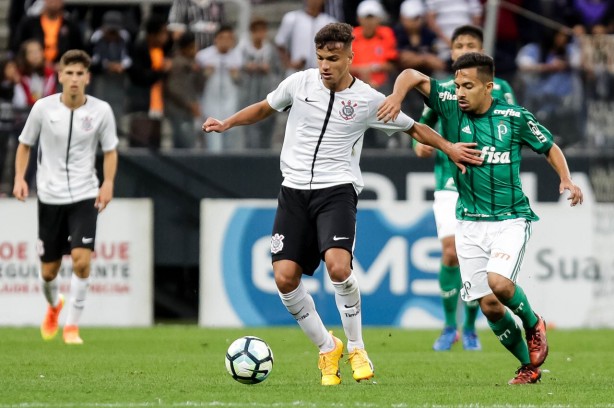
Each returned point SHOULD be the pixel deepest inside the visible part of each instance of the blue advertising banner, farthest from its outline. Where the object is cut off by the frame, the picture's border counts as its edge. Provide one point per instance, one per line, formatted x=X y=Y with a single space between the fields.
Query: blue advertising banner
x=396 y=263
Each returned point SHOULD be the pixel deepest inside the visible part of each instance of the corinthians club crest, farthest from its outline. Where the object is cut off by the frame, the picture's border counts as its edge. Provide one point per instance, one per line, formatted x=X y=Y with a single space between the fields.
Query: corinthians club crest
x=86 y=124
x=348 y=112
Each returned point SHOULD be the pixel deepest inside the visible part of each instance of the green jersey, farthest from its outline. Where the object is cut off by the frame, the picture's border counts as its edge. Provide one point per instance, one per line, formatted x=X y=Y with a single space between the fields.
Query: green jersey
x=443 y=173
x=491 y=191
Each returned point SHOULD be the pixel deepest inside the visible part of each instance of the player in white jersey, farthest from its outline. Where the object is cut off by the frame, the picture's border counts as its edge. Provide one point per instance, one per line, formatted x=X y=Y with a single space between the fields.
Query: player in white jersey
x=316 y=213
x=68 y=126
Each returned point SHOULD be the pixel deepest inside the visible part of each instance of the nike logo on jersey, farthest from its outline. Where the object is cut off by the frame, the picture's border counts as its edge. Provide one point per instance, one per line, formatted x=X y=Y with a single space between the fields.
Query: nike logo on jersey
x=309 y=100
x=87 y=240
x=336 y=238
x=466 y=129
x=354 y=305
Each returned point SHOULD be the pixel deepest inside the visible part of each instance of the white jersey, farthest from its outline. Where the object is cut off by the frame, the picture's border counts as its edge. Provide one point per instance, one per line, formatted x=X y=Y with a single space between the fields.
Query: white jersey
x=324 y=132
x=67 y=147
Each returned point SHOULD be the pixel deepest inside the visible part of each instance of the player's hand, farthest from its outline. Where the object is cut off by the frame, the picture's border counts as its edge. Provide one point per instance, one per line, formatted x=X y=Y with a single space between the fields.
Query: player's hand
x=214 y=125
x=20 y=190
x=105 y=195
x=423 y=151
x=389 y=109
x=575 y=195
x=464 y=153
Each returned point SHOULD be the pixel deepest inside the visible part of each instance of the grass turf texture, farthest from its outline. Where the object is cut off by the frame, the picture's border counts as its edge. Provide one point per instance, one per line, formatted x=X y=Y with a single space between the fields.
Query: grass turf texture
x=183 y=366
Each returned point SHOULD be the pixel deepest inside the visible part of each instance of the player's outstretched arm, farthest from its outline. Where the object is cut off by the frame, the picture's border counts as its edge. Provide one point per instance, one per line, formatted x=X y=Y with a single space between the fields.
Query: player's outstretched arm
x=459 y=153
x=557 y=160
x=20 y=189
x=405 y=82
x=246 y=116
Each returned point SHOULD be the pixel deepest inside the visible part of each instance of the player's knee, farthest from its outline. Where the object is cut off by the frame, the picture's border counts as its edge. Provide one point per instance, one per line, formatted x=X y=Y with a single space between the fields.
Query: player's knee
x=501 y=286
x=492 y=308
x=338 y=271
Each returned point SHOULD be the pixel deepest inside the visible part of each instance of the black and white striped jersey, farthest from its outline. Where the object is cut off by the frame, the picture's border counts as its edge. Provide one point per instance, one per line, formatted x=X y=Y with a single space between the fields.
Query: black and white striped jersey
x=325 y=129
x=68 y=140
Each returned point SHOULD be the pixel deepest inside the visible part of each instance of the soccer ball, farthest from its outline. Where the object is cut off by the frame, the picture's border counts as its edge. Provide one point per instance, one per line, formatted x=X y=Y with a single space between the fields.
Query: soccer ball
x=249 y=360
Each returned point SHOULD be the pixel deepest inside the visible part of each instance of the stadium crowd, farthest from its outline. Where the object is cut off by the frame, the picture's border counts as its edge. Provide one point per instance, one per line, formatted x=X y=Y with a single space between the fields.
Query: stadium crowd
x=185 y=61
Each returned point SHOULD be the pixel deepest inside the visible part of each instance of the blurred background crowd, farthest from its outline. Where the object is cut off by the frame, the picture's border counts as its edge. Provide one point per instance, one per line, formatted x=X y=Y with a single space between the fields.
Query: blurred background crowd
x=164 y=66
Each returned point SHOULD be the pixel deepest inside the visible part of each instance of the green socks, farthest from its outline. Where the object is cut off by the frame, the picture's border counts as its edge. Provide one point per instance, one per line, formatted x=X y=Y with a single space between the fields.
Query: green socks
x=450 y=284
x=510 y=336
x=519 y=305
x=471 y=313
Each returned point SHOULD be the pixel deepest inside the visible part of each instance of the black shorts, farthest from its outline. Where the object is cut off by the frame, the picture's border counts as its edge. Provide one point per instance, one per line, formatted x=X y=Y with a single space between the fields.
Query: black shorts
x=308 y=222
x=62 y=227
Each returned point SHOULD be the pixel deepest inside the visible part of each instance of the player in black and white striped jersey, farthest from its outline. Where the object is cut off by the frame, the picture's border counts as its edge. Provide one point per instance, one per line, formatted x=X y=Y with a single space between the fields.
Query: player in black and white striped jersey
x=69 y=126
x=316 y=214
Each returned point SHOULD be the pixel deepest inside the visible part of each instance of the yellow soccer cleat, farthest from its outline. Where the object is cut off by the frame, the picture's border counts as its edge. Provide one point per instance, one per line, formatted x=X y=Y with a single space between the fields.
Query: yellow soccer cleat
x=362 y=368
x=49 y=327
x=71 y=335
x=329 y=363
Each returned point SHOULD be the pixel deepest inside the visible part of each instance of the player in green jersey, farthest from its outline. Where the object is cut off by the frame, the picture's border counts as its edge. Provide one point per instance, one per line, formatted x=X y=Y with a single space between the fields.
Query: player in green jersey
x=466 y=38
x=493 y=212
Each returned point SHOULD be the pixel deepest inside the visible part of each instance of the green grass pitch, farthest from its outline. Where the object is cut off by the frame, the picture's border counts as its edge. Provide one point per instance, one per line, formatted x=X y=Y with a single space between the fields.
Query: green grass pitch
x=183 y=366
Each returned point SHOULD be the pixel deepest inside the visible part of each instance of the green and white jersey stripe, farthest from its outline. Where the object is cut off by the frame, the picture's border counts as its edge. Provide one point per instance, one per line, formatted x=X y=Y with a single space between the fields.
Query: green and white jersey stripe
x=491 y=191
x=443 y=172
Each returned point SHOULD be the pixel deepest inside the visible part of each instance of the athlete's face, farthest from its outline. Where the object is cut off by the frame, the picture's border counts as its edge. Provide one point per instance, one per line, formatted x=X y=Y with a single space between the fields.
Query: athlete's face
x=463 y=44
x=334 y=63
x=473 y=95
x=74 y=78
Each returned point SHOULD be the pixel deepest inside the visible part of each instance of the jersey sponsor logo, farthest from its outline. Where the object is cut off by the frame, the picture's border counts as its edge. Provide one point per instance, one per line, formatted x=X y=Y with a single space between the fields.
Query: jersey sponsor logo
x=277 y=243
x=490 y=155
x=86 y=124
x=466 y=129
x=507 y=112
x=348 y=112
x=501 y=130
x=535 y=130
x=447 y=96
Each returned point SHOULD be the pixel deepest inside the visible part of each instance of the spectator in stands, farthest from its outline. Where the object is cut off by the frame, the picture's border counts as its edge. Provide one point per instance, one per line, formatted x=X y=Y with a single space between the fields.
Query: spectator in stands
x=182 y=93
x=53 y=28
x=375 y=55
x=443 y=16
x=202 y=17
x=294 y=38
x=150 y=65
x=375 y=47
x=258 y=79
x=222 y=65
x=415 y=42
x=110 y=46
x=551 y=84
x=10 y=78
x=36 y=79
x=149 y=68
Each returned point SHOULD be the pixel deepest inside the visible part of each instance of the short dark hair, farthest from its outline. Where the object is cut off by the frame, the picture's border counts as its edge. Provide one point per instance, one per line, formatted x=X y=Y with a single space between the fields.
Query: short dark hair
x=258 y=22
x=224 y=28
x=155 y=24
x=76 y=57
x=469 y=30
x=187 y=39
x=484 y=64
x=334 y=33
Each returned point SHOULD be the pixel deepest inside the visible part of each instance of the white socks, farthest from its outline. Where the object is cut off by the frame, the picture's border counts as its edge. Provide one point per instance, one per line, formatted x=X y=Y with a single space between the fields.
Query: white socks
x=301 y=306
x=78 y=291
x=51 y=290
x=347 y=297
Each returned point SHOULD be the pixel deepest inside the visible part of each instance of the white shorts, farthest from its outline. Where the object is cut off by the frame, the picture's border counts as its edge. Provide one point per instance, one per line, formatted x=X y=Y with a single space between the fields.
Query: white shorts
x=444 y=208
x=489 y=246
